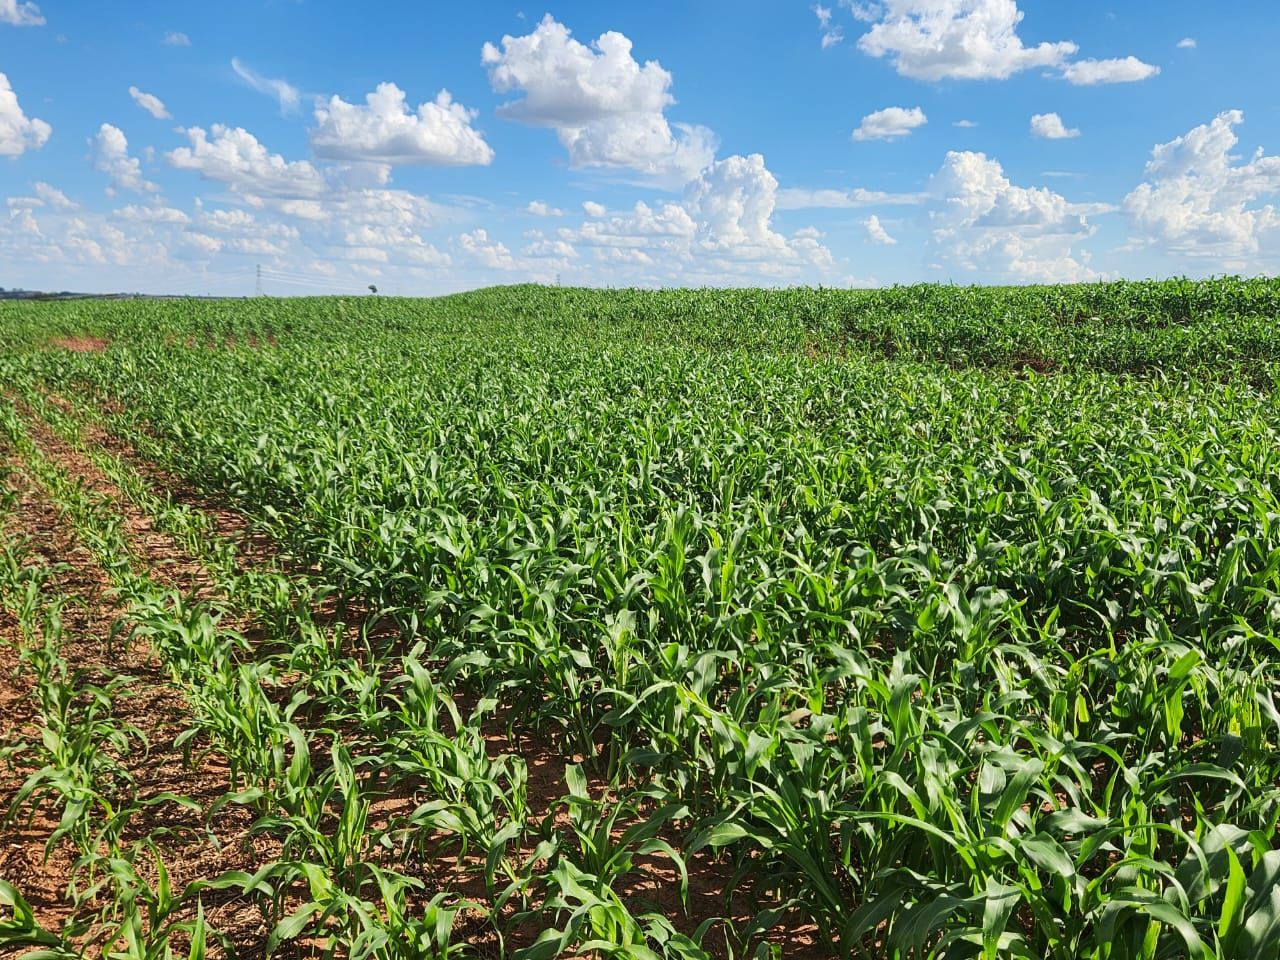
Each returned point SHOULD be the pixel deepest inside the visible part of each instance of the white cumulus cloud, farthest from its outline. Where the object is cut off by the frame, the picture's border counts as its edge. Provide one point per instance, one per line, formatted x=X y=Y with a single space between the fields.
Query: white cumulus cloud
x=1187 y=43
x=567 y=83
x=722 y=228
x=333 y=242
x=646 y=143
x=976 y=40
x=866 y=12
x=240 y=231
x=1050 y=127
x=19 y=14
x=18 y=132
x=607 y=108
x=200 y=245
x=540 y=247
x=540 y=208
x=45 y=195
x=732 y=203
x=150 y=103
x=982 y=223
x=639 y=227
x=233 y=156
x=1199 y=200
x=876 y=232
x=385 y=130
x=889 y=123
x=955 y=39
x=1088 y=73
x=111 y=156
x=492 y=254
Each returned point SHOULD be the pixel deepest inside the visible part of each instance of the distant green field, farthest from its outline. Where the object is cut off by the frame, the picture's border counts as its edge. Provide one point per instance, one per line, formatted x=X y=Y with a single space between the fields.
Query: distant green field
x=933 y=621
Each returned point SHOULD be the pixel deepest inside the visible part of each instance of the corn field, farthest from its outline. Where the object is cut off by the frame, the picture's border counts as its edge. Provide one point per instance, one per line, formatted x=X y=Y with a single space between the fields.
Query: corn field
x=926 y=622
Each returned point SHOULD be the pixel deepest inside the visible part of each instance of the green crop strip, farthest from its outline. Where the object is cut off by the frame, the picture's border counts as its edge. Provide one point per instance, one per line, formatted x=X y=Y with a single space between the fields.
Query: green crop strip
x=413 y=742
x=77 y=771
x=953 y=662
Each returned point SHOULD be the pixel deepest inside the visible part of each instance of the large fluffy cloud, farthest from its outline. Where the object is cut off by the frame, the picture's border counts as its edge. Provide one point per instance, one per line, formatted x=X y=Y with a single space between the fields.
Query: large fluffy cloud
x=18 y=132
x=606 y=107
x=667 y=226
x=984 y=224
x=344 y=209
x=966 y=39
x=1200 y=200
x=233 y=156
x=385 y=130
x=722 y=230
x=111 y=156
x=975 y=40
x=566 y=83
x=732 y=203
x=382 y=225
x=644 y=143
x=331 y=212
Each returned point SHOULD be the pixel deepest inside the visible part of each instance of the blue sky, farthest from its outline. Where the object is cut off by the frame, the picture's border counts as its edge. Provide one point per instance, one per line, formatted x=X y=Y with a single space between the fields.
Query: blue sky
x=177 y=147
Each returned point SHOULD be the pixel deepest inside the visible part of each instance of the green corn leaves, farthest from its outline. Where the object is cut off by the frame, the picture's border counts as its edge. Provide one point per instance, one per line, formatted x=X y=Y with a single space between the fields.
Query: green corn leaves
x=941 y=621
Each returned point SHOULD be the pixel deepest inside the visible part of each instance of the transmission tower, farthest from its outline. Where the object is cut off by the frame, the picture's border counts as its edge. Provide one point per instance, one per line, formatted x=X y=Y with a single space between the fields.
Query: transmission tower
x=257 y=290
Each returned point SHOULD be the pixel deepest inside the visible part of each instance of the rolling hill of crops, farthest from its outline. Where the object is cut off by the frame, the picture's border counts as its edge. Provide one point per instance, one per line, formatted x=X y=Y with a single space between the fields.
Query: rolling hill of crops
x=920 y=622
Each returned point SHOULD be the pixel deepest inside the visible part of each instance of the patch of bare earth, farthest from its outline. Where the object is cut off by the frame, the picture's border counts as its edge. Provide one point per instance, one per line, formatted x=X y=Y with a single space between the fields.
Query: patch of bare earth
x=80 y=344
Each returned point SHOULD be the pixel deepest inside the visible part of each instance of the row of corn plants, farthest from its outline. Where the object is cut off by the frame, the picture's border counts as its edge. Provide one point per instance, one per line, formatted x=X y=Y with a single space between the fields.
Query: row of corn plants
x=1221 y=327
x=121 y=904
x=952 y=663
x=374 y=729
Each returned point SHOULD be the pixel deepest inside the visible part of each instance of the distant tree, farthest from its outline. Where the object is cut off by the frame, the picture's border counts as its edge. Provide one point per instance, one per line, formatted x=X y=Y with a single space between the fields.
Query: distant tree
x=372 y=288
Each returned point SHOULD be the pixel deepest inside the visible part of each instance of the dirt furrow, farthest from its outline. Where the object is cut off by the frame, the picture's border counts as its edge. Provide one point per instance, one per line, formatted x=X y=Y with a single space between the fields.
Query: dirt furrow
x=151 y=704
